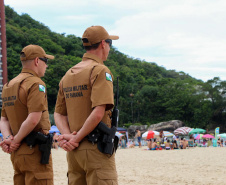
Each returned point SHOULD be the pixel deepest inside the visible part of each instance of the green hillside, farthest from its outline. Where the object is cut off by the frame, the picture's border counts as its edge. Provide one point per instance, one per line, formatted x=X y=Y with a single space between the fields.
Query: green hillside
x=148 y=93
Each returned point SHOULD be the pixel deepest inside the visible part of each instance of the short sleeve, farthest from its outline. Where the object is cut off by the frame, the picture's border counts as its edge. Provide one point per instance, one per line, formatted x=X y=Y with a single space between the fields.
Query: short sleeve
x=102 y=88
x=61 y=103
x=37 y=99
x=3 y=113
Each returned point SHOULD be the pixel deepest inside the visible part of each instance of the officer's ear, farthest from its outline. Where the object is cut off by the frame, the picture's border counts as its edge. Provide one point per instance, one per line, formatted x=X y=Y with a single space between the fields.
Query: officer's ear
x=102 y=44
x=36 y=61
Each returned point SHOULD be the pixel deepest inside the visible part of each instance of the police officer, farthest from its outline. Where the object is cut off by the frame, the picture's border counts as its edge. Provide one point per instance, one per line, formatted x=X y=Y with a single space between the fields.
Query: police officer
x=84 y=99
x=24 y=110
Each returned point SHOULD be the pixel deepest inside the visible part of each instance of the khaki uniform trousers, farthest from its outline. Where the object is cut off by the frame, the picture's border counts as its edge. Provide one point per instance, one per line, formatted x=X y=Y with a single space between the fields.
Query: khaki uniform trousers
x=27 y=167
x=88 y=166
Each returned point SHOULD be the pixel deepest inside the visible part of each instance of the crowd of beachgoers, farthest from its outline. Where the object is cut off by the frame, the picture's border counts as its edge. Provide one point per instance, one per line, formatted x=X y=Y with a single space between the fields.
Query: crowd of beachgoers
x=157 y=141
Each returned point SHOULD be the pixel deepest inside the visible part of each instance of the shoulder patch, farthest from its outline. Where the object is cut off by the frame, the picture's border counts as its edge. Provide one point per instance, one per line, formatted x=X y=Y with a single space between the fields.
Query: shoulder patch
x=42 y=88
x=108 y=77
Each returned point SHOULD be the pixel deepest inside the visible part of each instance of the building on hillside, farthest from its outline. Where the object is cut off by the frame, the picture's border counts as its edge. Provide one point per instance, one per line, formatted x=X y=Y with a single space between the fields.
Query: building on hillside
x=3 y=52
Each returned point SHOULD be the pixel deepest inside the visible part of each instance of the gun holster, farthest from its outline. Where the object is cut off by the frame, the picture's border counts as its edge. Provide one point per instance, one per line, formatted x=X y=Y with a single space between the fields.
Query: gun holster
x=105 y=138
x=44 y=142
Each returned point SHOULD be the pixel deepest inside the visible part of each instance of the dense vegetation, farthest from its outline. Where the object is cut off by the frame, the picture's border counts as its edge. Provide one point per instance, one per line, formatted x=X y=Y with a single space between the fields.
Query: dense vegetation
x=148 y=93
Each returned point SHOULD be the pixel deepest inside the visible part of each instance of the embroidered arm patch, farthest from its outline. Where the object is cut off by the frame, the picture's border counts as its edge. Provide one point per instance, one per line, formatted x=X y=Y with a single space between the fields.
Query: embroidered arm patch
x=42 y=88
x=108 y=77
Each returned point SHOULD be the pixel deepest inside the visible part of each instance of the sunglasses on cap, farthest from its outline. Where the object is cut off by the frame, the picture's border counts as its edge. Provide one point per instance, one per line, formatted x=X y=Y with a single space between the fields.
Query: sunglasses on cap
x=44 y=60
x=109 y=41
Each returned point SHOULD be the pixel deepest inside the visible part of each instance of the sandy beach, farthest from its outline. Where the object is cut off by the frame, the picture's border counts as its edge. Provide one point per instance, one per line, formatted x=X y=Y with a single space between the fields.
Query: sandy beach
x=139 y=166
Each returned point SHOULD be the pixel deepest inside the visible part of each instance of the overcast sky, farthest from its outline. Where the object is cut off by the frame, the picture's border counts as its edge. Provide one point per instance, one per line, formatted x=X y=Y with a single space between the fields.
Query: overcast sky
x=184 y=35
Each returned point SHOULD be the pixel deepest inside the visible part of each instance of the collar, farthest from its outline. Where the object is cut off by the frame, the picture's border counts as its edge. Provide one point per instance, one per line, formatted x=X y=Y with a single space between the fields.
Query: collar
x=93 y=57
x=29 y=71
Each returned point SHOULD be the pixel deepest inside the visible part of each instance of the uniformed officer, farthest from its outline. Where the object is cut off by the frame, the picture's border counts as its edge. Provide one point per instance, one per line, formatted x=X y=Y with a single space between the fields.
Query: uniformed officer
x=84 y=99
x=24 y=110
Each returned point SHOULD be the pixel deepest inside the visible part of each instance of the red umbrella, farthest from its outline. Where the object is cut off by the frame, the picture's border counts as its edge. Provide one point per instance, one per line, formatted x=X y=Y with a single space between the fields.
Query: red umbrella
x=208 y=136
x=150 y=135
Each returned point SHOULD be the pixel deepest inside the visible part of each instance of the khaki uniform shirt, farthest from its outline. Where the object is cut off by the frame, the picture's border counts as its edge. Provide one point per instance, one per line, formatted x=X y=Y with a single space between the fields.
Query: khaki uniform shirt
x=23 y=95
x=85 y=86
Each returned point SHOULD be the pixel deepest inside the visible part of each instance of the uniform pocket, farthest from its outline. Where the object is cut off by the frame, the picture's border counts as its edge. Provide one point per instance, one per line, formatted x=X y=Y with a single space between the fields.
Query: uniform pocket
x=23 y=158
x=44 y=178
x=43 y=175
x=28 y=162
x=24 y=149
x=107 y=177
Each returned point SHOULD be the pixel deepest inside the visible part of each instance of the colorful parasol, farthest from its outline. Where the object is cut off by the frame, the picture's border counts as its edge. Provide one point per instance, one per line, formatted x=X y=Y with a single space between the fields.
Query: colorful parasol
x=150 y=134
x=118 y=134
x=222 y=135
x=199 y=136
x=207 y=136
x=197 y=131
x=182 y=131
x=167 y=134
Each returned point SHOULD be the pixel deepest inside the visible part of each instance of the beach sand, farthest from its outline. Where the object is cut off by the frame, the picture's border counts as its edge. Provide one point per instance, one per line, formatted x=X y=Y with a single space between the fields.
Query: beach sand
x=140 y=166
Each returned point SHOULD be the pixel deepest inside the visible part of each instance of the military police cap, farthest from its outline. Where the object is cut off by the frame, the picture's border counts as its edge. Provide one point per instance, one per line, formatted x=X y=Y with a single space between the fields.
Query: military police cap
x=96 y=34
x=30 y=52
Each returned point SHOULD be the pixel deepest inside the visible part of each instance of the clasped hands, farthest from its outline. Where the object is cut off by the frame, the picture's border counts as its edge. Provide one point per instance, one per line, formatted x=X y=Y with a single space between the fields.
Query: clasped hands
x=9 y=145
x=68 y=141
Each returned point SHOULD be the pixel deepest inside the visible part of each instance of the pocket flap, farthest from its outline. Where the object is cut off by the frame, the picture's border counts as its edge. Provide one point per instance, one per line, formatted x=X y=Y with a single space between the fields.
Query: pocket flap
x=24 y=149
x=106 y=174
x=44 y=175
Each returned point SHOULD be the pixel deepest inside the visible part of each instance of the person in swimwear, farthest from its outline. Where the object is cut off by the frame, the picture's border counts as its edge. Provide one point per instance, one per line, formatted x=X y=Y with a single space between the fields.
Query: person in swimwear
x=175 y=146
x=154 y=145
x=167 y=145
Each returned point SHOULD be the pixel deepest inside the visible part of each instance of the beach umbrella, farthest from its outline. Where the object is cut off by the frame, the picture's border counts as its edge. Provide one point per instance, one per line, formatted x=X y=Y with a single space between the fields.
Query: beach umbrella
x=223 y=135
x=167 y=134
x=54 y=129
x=150 y=134
x=199 y=136
x=156 y=133
x=121 y=129
x=195 y=135
x=207 y=136
x=182 y=131
x=118 y=134
x=197 y=131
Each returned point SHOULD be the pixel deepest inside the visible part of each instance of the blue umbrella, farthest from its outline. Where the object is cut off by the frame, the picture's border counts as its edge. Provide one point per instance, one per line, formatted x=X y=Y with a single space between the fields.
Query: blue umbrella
x=54 y=129
x=121 y=129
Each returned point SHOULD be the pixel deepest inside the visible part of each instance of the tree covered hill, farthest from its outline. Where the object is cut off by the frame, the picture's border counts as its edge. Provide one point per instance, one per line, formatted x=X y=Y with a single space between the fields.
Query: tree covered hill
x=148 y=93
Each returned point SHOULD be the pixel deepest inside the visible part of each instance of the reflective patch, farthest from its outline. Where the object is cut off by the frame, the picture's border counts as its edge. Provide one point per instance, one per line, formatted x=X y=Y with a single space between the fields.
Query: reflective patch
x=42 y=88
x=108 y=77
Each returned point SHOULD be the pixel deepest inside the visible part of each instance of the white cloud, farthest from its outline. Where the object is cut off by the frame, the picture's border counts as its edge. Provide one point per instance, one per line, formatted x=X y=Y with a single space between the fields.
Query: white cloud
x=178 y=36
x=186 y=36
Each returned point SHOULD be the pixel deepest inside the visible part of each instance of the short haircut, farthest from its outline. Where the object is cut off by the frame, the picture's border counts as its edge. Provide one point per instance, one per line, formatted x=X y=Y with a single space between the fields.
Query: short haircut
x=88 y=48
x=22 y=54
x=24 y=61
